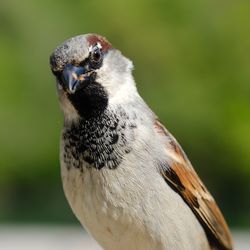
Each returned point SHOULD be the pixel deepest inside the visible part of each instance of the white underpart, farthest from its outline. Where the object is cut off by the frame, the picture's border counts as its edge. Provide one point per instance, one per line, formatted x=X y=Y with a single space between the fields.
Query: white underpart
x=132 y=207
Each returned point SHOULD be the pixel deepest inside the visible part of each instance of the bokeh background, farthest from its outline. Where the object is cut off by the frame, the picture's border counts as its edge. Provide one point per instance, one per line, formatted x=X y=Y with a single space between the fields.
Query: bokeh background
x=192 y=66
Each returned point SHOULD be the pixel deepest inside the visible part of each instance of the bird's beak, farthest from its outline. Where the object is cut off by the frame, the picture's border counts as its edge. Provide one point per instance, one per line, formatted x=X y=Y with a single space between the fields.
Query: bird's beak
x=72 y=78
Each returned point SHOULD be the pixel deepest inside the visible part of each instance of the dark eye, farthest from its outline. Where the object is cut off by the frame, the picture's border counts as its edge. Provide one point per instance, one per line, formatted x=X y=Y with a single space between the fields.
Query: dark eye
x=96 y=55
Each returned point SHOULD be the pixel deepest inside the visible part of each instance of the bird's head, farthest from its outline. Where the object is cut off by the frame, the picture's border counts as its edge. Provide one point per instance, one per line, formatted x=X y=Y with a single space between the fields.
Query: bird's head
x=90 y=75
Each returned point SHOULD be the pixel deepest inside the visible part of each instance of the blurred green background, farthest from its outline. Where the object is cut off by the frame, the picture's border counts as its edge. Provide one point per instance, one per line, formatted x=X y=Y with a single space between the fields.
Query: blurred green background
x=192 y=66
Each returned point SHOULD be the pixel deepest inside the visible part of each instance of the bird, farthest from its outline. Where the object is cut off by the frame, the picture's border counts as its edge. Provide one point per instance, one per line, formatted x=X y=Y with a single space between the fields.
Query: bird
x=125 y=176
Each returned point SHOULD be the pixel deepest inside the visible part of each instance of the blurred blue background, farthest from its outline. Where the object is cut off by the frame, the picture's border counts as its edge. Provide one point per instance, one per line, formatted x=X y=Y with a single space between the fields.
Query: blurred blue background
x=192 y=67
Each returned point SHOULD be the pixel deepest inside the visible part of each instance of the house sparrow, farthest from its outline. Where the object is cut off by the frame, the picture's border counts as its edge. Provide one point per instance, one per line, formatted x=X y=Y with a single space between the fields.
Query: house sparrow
x=124 y=175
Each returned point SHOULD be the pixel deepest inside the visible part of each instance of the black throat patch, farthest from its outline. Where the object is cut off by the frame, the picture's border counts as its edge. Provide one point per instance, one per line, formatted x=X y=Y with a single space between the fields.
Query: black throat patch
x=90 y=101
x=100 y=141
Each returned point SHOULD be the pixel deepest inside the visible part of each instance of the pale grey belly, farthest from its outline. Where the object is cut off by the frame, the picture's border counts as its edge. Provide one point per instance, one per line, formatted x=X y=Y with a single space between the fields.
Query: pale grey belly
x=122 y=211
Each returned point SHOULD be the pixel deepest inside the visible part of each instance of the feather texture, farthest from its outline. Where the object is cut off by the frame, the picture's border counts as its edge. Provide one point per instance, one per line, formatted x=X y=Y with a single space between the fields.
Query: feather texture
x=180 y=174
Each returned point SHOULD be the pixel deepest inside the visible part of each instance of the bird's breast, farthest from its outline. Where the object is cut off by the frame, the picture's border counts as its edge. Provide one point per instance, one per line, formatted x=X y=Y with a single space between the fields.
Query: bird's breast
x=111 y=181
x=98 y=142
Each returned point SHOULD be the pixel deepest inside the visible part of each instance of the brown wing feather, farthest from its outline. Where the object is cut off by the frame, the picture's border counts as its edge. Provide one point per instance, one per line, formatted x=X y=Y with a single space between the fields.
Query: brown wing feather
x=180 y=174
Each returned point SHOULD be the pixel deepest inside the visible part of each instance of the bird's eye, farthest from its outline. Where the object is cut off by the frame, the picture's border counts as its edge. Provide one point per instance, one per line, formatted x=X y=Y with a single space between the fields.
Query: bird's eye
x=96 y=55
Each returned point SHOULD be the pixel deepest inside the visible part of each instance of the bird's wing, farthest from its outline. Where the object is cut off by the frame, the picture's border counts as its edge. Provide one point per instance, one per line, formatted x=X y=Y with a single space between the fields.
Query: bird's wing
x=181 y=176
